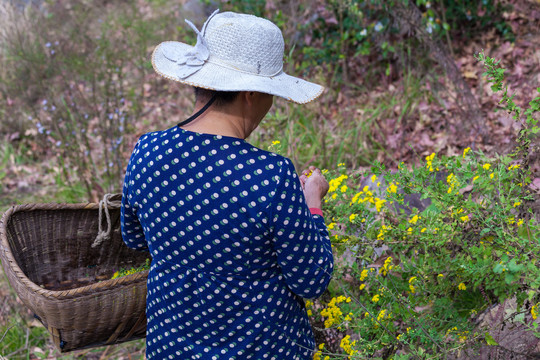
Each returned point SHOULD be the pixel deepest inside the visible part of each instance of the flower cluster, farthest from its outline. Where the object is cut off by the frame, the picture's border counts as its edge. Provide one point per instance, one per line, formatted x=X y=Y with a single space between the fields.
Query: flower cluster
x=429 y=162
x=336 y=183
x=452 y=182
x=318 y=354
x=387 y=266
x=367 y=196
x=461 y=335
x=412 y=289
x=333 y=312
x=347 y=345
x=382 y=231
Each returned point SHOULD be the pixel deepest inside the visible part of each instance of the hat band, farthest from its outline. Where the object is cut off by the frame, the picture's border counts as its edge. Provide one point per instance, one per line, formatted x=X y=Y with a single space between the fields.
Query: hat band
x=216 y=61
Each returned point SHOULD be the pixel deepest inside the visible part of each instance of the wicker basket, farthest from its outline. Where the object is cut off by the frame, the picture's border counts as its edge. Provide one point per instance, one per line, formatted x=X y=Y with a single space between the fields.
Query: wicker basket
x=47 y=255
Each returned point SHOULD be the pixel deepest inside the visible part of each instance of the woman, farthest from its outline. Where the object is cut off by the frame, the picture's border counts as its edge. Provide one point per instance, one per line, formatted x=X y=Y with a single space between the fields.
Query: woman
x=237 y=238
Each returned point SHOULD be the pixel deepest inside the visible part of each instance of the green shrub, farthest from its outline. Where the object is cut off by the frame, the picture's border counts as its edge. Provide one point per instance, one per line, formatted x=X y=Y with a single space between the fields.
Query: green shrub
x=425 y=249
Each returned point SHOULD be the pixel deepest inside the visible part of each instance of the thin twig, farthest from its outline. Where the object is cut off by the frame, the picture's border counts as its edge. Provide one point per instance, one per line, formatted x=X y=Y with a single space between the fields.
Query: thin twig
x=3 y=336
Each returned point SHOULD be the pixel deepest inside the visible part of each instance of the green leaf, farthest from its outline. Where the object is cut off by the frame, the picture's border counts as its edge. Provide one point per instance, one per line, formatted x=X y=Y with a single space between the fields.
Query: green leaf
x=485 y=231
x=509 y=278
x=513 y=267
x=490 y=340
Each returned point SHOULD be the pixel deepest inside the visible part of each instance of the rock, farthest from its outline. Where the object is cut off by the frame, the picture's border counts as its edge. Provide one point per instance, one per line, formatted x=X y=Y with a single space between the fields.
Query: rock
x=506 y=326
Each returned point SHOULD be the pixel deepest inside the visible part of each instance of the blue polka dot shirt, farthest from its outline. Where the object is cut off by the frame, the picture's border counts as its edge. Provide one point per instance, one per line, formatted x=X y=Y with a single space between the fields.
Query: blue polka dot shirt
x=234 y=248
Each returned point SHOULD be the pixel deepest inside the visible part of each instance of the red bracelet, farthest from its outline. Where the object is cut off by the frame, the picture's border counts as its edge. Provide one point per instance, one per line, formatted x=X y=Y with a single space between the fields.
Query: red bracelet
x=316 y=211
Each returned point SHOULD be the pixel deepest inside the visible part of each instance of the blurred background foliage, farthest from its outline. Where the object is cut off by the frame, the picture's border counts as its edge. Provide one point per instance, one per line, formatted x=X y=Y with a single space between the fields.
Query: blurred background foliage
x=76 y=82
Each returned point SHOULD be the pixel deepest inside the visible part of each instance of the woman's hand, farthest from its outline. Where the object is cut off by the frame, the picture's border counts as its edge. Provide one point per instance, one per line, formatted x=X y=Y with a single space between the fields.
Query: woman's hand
x=315 y=186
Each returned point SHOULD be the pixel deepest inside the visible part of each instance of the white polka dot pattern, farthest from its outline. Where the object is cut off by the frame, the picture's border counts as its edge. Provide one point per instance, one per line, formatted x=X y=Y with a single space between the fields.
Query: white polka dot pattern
x=234 y=248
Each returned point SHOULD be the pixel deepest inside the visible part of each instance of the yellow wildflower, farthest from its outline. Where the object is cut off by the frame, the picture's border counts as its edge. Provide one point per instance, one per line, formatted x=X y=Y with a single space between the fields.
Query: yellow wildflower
x=423 y=230
x=381 y=315
x=364 y=275
x=344 y=188
x=356 y=197
x=465 y=151
x=491 y=175
x=474 y=178
x=362 y=286
x=392 y=188
x=452 y=182
x=534 y=311
x=411 y=286
x=331 y=225
x=387 y=266
x=517 y=203
x=376 y=298
x=486 y=166
x=379 y=204
x=347 y=345
x=519 y=222
x=414 y=219
x=373 y=178
x=462 y=286
x=429 y=160
x=352 y=217
x=275 y=142
x=465 y=218
x=336 y=183
x=384 y=229
x=332 y=312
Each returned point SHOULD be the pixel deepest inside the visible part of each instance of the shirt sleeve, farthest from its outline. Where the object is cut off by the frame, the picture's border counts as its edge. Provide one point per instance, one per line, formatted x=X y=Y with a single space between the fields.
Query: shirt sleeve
x=132 y=231
x=300 y=238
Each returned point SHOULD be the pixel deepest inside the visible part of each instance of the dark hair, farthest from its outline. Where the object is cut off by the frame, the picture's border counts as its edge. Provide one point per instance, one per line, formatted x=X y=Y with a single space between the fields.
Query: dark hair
x=222 y=97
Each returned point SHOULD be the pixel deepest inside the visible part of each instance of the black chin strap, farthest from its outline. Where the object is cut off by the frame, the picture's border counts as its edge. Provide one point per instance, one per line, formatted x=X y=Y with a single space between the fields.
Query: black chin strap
x=198 y=113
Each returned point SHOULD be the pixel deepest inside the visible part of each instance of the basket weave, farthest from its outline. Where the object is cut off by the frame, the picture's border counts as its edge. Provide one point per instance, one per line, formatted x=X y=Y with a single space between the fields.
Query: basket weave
x=47 y=256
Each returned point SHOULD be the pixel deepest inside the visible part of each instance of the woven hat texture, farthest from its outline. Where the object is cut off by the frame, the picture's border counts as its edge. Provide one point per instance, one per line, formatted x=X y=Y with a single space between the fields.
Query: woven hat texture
x=234 y=52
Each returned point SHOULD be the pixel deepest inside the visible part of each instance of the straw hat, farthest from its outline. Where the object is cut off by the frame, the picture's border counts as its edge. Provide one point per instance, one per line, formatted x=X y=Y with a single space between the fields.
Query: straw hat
x=234 y=52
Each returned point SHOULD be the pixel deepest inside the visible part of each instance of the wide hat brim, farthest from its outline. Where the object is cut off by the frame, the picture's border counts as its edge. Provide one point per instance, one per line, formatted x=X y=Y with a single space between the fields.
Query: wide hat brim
x=214 y=76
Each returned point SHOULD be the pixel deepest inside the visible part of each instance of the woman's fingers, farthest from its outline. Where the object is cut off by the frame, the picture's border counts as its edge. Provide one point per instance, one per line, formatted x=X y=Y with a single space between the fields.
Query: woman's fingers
x=303 y=179
x=316 y=184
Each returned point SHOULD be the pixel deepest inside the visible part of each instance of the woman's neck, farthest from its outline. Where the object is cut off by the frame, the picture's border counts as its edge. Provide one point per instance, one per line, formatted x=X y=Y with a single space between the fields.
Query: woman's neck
x=218 y=123
x=227 y=120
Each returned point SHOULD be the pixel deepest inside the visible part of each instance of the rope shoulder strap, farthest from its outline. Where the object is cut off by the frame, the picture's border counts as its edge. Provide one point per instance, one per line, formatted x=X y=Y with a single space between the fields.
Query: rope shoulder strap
x=109 y=201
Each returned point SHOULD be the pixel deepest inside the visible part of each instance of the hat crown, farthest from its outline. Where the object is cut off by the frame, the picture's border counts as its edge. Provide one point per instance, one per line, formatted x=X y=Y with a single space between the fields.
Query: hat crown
x=245 y=42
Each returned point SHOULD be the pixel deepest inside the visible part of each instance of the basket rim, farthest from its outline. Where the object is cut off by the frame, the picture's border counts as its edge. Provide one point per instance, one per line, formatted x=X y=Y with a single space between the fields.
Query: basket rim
x=8 y=260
